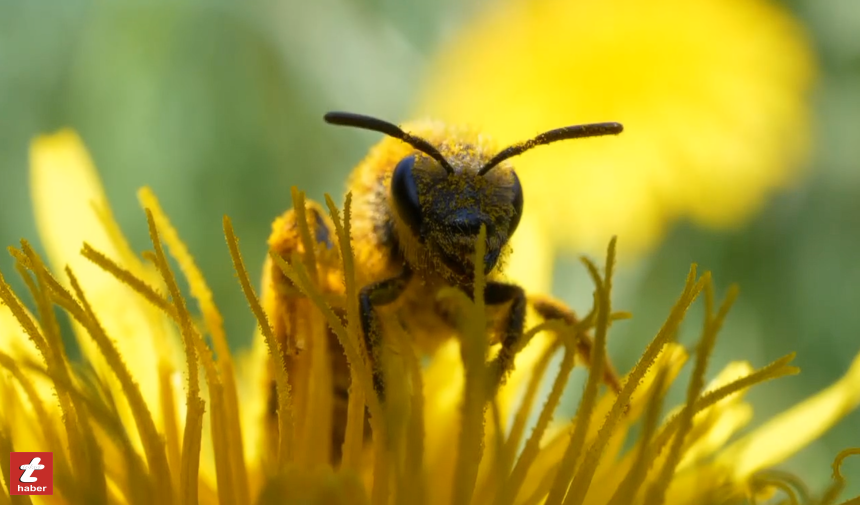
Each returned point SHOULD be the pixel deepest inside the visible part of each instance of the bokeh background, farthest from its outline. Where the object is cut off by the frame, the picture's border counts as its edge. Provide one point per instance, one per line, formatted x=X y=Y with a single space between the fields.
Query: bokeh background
x=217 y=106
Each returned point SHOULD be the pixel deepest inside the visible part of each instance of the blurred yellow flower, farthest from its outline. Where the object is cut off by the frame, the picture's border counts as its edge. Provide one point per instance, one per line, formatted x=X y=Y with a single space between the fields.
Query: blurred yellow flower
x=446 y=433
x=712 y=95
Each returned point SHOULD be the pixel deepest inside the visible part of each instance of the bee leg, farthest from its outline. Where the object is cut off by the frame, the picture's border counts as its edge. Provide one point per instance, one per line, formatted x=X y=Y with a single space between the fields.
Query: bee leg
x=371 y=296
x=497 y=293
x=549 y=308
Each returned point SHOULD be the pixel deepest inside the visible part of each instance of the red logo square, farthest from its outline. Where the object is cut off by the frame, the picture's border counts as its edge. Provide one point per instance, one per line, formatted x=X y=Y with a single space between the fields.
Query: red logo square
x=32 y=473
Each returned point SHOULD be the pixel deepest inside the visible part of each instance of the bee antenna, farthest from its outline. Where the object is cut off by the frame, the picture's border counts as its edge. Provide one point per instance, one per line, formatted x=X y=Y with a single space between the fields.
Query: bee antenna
x=567 y=132
x=392 y=130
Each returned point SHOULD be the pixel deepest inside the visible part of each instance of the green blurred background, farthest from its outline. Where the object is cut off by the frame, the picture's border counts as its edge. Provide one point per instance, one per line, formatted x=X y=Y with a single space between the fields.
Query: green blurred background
x=217 y=106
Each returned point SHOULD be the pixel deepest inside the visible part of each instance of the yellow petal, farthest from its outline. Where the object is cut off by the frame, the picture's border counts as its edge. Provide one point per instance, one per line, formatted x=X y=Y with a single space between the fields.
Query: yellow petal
x=443 y=387
x=714 y=426
x=68 y=197
x=530 y=265
x=712 y=433
x=792 y=430
x=712 y=96
x=18 y=418
x=254 y=387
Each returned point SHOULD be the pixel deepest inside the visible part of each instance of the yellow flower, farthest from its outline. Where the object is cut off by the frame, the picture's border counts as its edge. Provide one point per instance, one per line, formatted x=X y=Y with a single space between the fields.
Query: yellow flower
x=447 y=433
x=712 y=95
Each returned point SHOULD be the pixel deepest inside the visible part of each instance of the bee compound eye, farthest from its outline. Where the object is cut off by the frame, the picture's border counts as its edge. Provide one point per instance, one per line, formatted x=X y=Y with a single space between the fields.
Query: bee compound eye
x=404 y=190
x=517 y=203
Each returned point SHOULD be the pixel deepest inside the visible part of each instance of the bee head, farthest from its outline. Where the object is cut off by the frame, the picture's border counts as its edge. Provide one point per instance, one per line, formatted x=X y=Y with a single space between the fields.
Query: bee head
x=445 y=194
x=445 y=211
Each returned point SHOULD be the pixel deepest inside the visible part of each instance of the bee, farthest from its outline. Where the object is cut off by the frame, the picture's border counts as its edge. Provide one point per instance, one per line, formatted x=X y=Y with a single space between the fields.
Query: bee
x=419 y=200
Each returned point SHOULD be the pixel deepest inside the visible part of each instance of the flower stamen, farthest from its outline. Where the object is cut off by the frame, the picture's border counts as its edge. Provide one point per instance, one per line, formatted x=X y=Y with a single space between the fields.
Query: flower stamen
x=125 y=276
x=354 y=432
x=285 y=416
x=667 y=332
x=589 y=396
x=656 y=494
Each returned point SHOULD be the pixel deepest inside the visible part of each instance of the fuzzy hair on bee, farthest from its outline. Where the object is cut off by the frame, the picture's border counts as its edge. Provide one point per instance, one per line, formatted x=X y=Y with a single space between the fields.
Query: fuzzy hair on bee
x=420 y=200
